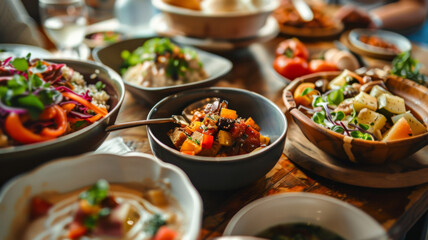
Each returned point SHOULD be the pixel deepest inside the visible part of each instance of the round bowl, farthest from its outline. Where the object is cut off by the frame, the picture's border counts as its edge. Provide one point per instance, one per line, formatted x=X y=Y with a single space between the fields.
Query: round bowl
x=215 y=66
x=234 y=25
x=327 y=212
x=358 y=150
x=73 y=173
x=17 y=159
x=221 y=173
x=101 y=38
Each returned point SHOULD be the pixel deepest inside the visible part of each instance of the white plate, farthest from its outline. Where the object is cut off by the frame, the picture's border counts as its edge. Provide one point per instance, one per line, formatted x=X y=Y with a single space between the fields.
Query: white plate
x=21 y=50
x=327 y=212
x=267 y=32
x=74 y=173
x=398 y=40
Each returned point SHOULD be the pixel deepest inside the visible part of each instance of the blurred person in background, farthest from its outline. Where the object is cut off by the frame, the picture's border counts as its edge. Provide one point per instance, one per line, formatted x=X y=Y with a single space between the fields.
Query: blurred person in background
x=16 y=25
x=403 y=16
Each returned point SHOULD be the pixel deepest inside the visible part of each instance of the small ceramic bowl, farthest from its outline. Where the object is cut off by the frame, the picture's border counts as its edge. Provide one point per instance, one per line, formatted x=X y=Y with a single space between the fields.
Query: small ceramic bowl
x=215 y=66
x=309 y=208
x=219 y=25
x=358 y=150
x=74 y=173
x=17 y=159
x=221 y=173
x=103 y=38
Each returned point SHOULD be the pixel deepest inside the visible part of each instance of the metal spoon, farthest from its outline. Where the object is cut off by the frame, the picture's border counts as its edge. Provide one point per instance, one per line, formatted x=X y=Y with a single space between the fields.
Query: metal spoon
x=183 y=119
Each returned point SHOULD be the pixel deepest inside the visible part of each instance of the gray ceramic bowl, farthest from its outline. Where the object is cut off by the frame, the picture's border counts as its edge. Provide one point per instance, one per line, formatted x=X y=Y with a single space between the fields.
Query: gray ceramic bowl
x=17 y=159
x=221 y=173
x=214 y=65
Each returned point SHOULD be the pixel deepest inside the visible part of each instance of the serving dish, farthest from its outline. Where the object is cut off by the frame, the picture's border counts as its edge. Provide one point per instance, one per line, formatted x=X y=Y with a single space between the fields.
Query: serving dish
x=17 y=159
x=102 y=38
x=327 y=212
x=234 y=24
x=398 y=40
x=266 y=32
x=221 y=173
x=358 y=150
x=72 y=173
x=215 y=67
x=21 y=50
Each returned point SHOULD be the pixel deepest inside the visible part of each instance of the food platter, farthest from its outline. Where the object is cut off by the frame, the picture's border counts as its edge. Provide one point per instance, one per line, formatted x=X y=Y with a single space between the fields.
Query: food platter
x=407 y=172
x=267 y=32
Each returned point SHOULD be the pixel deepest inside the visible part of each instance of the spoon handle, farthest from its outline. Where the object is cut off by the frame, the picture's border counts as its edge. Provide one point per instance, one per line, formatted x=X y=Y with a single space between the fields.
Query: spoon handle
x=137 y=123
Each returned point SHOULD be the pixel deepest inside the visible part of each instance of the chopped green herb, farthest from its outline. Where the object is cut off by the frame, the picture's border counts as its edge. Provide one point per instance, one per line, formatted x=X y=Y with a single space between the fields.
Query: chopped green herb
x=21 y=64
x=319 y=117
x=364 y=126
x=317 y=100
x=100 y=85
x=306 y=91
x=154 y=224
x=337 y=129
x=406 y=66
x=335 y=97
x=338 y=116
x=96 y=193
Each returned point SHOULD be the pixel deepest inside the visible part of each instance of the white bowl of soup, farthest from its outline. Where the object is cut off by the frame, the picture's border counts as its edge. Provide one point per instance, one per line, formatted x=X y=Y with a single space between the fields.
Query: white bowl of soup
x=101 y=196
x=314 y=215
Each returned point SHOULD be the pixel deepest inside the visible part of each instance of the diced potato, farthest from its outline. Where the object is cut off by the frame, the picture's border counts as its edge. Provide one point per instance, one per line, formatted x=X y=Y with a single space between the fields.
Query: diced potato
x=252 y=124
x=264 y=140
x=177 y=137
x=339 y=81
x=375 y=120
x=157 y=197
x=377 y=91
x=195 y=125
x=228 y=113
x=364 y=100
x=225 y=138
x=390 y=105
x=416 y=126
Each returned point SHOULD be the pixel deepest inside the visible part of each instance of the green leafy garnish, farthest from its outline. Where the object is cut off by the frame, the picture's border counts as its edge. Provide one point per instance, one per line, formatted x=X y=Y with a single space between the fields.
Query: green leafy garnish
x=21 y=64
x=353 y=116
x=90 y=221
x=364 y=126
x=96 y=193
x=405 y=66
x=306 y=91
x=335 y=97
x=317 y=100
x=337 y=129
x=154 y=224
x=358 y=134
x=100 y=85
x=319 y=117
x=337 y=116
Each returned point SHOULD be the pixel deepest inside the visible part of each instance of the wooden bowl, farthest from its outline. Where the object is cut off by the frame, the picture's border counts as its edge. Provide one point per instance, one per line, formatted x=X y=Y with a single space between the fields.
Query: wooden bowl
x=358 y=150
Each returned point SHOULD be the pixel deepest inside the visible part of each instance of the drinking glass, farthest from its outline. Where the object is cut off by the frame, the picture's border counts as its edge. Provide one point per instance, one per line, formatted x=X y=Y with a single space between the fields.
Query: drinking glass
x=64 y=22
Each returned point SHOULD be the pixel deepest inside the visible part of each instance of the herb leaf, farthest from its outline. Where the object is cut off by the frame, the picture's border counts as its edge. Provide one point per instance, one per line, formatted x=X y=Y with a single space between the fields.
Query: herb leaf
x=306 y=91
x=406 y=66
x=319 y=117
x=20 y=64
x=335 y=97
x=96 y=193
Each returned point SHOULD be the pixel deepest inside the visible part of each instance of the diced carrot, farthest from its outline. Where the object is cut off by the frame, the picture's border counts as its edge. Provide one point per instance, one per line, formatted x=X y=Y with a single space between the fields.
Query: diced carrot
x=164 y=233
x=305 y=100
x=190 y=145
x=76 y=230
x=68 y=107
x=228 y=113
x=252 y=124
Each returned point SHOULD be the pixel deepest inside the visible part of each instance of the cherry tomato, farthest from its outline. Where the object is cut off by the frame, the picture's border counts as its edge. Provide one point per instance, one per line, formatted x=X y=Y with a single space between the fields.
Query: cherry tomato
x=290 y=68
x=318 y=65
x=292 y=48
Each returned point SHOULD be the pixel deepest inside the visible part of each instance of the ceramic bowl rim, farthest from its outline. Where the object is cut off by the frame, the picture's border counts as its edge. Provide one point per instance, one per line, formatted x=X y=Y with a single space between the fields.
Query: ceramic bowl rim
x=121 y=97
x=293 y=195
x=242 y=157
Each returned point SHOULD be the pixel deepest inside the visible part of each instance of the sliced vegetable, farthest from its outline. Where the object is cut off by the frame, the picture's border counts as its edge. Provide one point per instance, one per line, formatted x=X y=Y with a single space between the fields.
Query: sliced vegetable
x=416 y=126
x=20 y=133
x=228 y=113
x=390 y=105
x=85 y=103
x=400 y=130
x=291 y=68
x=207 y=141
x=225 y=138
x=364 y=100
x=165 y=233
x=305 y=100
x=61 y=123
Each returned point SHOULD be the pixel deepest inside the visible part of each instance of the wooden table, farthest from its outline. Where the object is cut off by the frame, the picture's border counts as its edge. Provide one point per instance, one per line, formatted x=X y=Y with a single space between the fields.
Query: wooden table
x=396 y=210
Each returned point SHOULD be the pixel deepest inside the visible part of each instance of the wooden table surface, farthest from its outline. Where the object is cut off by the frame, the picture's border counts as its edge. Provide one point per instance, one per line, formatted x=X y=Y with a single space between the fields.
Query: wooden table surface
x=396 y=210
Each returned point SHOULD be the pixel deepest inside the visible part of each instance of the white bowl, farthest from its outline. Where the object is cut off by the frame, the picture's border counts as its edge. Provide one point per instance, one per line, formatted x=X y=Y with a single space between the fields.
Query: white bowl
x=327 y=212
x=219 y=25
x=70 y=174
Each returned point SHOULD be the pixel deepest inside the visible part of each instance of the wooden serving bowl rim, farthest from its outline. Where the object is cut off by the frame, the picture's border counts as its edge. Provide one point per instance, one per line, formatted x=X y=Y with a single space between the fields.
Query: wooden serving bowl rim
x=291 y=107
